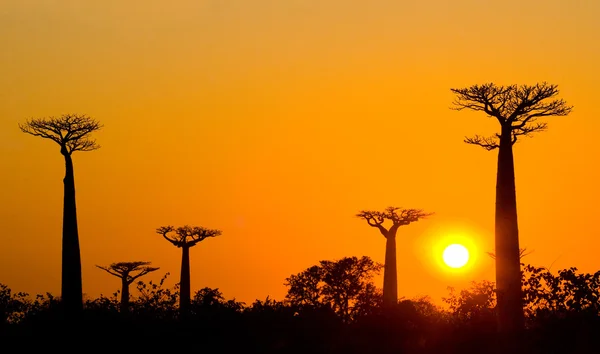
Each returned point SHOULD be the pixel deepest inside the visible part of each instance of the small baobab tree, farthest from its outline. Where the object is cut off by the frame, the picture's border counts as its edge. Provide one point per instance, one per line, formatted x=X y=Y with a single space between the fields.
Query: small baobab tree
x=518 y=110
x=398 y=217
x=72 y=133
x=185 y=237
x=128 y=272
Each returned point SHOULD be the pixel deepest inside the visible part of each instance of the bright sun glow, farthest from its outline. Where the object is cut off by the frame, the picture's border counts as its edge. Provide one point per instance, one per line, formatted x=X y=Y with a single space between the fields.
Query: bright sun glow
x=455 y=256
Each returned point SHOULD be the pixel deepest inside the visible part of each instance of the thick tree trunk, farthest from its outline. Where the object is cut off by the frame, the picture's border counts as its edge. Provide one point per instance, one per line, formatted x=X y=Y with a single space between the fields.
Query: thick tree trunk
x=124 y=295
x=71 y=287
x=508 y=267
x=390 y=276
x=184 y=282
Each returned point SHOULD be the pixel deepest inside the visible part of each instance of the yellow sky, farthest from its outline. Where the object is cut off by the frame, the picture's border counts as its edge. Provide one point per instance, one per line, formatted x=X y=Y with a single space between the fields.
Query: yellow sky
x=276 y=121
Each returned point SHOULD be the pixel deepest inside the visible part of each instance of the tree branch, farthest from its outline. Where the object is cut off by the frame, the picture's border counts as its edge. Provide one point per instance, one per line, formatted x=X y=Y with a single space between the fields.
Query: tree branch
x=144 y=271
x=108 y=270
x=488 y=143
x=403 y=217
x=488 y=98
x=374 y=219
x=197 y=234
x=124 y=269
x=529 y=129
x=70 y=131
x=164 y=231
x=398 y=216
x=519 y=107
x=187 y=235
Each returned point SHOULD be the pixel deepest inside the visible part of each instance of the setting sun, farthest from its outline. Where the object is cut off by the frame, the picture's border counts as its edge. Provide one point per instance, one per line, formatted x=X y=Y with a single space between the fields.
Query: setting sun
x=455 y=256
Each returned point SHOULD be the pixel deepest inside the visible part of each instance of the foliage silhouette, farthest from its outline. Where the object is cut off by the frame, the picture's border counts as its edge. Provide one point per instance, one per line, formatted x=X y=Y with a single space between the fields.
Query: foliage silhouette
x=185 y=237
x=12 y=306
x=518 y=110
x=398 y=217
x=475 y=306
x=343 y=286
x=72 y=133
x=128 y=272
x=156 y=301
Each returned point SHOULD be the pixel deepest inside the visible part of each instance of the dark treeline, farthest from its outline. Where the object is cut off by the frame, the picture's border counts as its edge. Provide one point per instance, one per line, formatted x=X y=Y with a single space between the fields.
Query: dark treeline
x=331 y=307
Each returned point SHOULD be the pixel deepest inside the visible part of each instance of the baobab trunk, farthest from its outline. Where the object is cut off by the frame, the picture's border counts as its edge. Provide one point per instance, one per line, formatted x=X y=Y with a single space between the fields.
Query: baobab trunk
x=390 y=277
x=184 y=282
x=124 y=294
x=71 y=288
x=508 y=267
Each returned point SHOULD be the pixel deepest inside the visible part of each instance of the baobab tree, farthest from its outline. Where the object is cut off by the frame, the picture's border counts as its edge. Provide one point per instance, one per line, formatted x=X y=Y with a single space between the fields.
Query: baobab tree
x=518 y=109
x=185 y=237
x=128 y=272
x=398 y=217
x=72 y=133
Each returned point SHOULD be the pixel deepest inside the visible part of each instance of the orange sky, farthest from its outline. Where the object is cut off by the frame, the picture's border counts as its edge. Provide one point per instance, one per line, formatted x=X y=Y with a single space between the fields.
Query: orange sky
x=276 y=121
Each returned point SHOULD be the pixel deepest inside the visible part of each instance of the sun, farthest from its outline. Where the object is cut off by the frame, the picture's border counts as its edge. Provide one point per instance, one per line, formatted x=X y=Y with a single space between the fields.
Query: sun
x=455 y=256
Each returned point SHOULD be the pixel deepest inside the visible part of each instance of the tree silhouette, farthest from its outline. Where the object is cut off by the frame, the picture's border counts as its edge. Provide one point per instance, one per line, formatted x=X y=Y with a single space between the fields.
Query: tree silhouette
x=185 y=237
x=72 y=133
x=518 y=110
x=344 y=285
x=128 y=272
x=474 y=305
x=566 y=293
x=398 y=217
x=12 y=306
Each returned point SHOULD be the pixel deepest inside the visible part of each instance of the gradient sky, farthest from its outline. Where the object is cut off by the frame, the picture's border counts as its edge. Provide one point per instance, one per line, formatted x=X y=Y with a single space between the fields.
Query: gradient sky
x=277 y=121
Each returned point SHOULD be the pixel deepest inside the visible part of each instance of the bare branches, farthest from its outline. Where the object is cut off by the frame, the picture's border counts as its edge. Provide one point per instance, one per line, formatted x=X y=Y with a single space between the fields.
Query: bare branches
x=528 y=129
x=164 y=231
x=109 y=271
x=488 y=98
x=124 y=270
x=398 y=216
x=405 y=216
x=517 y=108
x=529 y=103
x=486 y=142
x=70 y=131
x=186 y=236
x=374 y=219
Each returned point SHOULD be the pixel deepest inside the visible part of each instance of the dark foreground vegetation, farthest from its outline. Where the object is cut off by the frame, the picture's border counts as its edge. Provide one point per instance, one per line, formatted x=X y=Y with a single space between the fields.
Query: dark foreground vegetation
x=332 y=307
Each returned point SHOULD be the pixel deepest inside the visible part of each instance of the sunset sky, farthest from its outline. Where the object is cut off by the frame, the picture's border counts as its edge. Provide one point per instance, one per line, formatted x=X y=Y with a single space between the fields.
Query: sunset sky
x=276 y=121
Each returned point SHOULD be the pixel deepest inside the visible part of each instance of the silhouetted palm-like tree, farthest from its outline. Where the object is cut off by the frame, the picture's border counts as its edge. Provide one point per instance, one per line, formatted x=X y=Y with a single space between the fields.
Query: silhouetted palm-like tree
x=398 y=217
x=72 y=133
x=518 y=110
x=185 y=237
x=128 y=272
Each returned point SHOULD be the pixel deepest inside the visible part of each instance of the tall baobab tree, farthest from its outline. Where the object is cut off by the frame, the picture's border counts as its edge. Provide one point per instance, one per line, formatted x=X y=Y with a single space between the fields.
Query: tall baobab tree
x=185 y=237
x=398 y=217
x=518 y=109
x=128 y=272
x=72 y=133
